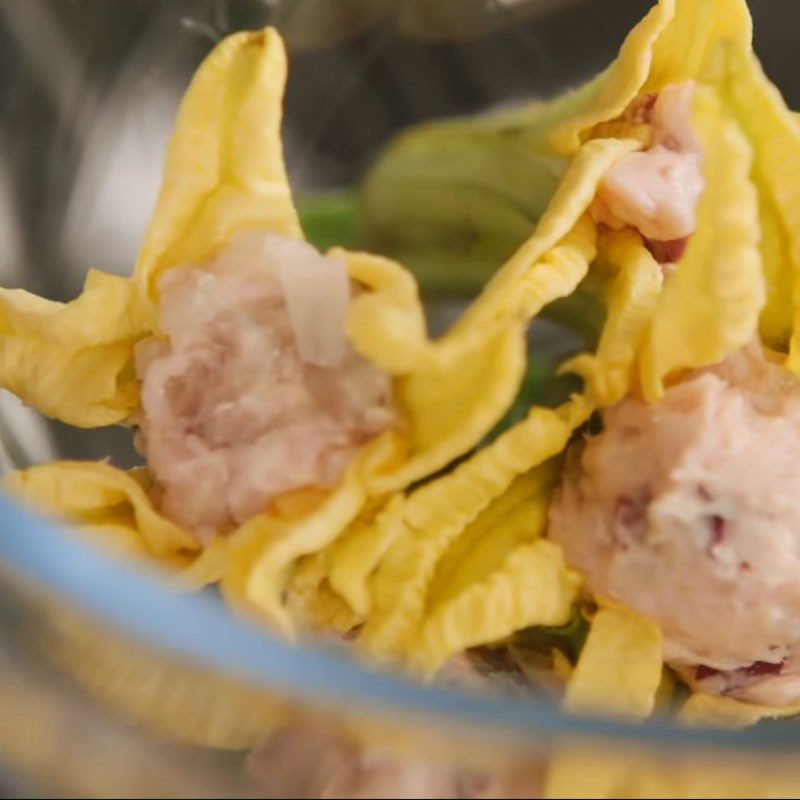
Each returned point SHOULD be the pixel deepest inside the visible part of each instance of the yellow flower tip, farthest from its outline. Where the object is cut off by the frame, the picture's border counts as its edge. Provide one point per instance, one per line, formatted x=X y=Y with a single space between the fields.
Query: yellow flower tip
x=225 y=170
x=73 y=361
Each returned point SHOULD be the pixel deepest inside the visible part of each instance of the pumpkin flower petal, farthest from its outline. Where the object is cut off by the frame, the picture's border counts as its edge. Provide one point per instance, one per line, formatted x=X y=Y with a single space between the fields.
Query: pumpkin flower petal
x=497 y=577
x=386 y=324
x=437 y=514
x=710 y=307
x=451 y=392
x=614 y=90
x=310 y=597
x=72 y=361
x=280 y=541
x=695 y=44
x=531 y=587
x=706 y=710
x=619 y=669
x=100 y=496
x=631 y=297
x=677 y=41
x=355 y=556
x=774 y=135
x=516 y=517
x=225 y=170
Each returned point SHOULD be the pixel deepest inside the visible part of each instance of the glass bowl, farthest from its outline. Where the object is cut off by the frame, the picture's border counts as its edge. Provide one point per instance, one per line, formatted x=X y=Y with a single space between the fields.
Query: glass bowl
x=111 y=684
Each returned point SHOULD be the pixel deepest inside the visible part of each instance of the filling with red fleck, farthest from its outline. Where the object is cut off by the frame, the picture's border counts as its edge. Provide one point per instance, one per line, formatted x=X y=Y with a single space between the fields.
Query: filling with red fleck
x=656 y=190
x=688 y=511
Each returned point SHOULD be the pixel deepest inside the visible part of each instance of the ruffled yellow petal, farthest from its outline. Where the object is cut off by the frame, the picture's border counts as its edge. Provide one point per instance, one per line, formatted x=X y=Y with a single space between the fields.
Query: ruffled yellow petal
x=677 y=41
x=271 y=544
x=208 y=567
x=455 y=399
x=613 y=91
x=439 y=513
x=225 y=168
x=462 y=385
x=619 y=669
x=114 y=509
x=631 y=297
x=775 y=138
x=492 y=581
x=100 y=496
x=451 y=393
x=356 y=555
x=329 y=589
x=696 y=43
x=311 y=599
x=711 y=305
x=532 y=587
x=515 y=517
x=556 y=257
x=73 y=361
x=711 y=711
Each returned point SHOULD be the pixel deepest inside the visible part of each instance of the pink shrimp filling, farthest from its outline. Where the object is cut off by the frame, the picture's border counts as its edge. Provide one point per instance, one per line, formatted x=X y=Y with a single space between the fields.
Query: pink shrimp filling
x=656 y=190
x=255 y=391
x=688 y=510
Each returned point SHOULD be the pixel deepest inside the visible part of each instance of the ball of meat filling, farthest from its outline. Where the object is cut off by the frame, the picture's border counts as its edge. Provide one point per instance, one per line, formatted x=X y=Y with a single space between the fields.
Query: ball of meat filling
x=255 y=390
x=688 y=510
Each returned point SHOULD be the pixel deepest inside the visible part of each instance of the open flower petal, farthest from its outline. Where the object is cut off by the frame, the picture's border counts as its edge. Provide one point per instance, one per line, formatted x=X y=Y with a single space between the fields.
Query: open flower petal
x=710 y=307
x=713 y=711
x=531 y=587
x=619 y=669
x=225 y=170
x=631 y=296
x=437 y=514
x=496 y=577
x=73 y=361
x=99 y=495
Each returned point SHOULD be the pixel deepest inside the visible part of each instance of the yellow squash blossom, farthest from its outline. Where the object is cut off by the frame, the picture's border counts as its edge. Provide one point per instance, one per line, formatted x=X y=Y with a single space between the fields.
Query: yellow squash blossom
x=74 y=361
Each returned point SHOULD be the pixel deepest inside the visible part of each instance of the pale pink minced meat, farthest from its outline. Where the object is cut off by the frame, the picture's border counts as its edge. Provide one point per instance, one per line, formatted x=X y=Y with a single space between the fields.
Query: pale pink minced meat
x=656 y=190
x=688 y=510
x=255 y=390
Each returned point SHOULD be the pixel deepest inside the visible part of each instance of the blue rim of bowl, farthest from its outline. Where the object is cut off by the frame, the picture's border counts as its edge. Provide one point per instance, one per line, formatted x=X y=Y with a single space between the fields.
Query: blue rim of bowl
x=199 y=627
